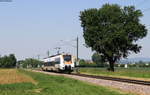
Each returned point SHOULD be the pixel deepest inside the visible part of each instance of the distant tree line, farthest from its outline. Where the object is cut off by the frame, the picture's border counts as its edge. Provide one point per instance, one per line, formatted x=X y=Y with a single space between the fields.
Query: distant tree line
x=8 y=61
x=29 y=63
x=97 y=61
x=84 y=63
x=139 y=64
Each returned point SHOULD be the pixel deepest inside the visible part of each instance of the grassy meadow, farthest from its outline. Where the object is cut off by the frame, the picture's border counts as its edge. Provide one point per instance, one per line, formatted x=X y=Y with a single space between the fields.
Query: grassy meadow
x=21 y=82
x=141 y=73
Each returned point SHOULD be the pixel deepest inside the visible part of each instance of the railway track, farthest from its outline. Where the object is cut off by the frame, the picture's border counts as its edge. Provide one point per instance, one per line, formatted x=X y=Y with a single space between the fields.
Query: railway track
x=141 y=82
x=133 y=81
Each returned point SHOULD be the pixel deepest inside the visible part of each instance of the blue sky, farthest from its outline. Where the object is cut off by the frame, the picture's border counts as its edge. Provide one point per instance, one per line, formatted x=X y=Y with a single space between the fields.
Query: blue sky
x=32 y=27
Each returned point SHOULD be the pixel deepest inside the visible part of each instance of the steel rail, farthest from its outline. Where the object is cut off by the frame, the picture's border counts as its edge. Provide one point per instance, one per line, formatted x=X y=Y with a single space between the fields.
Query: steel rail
x=133 y=81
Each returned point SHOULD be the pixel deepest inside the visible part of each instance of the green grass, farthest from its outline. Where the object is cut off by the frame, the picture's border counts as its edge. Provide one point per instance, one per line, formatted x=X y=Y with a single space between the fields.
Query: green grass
x=129 y=72
x=54 y=85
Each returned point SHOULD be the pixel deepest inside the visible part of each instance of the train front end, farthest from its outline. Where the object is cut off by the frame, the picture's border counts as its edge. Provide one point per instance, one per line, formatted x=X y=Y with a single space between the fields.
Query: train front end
x=68 y=63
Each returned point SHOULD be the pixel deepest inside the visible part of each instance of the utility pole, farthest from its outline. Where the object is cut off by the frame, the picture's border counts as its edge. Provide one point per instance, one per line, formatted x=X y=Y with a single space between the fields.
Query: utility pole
x=48 y=53
x=77 y=51
x=38 y=57
x=77 y=48
x=77 y=63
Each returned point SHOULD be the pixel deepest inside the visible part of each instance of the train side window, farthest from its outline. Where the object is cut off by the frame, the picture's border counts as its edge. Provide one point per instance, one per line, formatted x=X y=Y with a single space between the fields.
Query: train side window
x=45 y=64
x=50 y=64
x=57 y=61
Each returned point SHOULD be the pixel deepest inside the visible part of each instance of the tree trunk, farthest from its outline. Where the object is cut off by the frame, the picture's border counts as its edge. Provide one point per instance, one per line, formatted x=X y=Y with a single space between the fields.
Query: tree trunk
x=111 y=66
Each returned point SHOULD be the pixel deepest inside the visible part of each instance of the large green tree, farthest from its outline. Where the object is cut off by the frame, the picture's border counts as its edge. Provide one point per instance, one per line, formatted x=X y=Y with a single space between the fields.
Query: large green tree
x=113 y=31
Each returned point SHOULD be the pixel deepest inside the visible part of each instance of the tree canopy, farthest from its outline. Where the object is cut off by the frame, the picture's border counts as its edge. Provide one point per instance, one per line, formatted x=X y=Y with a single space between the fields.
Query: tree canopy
x=113 y=31
x=8 y=61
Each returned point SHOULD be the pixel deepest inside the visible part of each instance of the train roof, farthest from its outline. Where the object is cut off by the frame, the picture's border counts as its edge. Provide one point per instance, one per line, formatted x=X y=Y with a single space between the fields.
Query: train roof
x=56 y=55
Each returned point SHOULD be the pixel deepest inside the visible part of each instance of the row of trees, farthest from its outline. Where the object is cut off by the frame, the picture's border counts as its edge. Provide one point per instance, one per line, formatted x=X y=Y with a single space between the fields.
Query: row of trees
x=8 y=61
x=83 y=63
x=98 y=62
x=29 y=63
x=139 y=64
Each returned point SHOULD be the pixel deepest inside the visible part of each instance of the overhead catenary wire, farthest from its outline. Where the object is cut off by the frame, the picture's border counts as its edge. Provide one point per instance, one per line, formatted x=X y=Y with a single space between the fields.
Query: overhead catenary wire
x=63 y=43
x=148 y=25
x=102 y=2
x=141 y=3
x=145 y=10
x=133 y=2
x=129 y=3
x=69 y=43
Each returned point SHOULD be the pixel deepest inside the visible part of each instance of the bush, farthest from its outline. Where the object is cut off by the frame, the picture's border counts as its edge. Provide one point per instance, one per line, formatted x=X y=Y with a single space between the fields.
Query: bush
x=8 y=61
x=83 y=63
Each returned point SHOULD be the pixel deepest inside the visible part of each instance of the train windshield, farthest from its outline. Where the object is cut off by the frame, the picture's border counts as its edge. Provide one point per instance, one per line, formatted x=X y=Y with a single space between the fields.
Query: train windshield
x=67 y=57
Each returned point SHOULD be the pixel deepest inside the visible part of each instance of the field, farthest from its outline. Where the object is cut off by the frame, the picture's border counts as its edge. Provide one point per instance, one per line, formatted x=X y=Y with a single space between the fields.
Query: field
x=31 y=83
x=138 y=73
x=9 y=76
